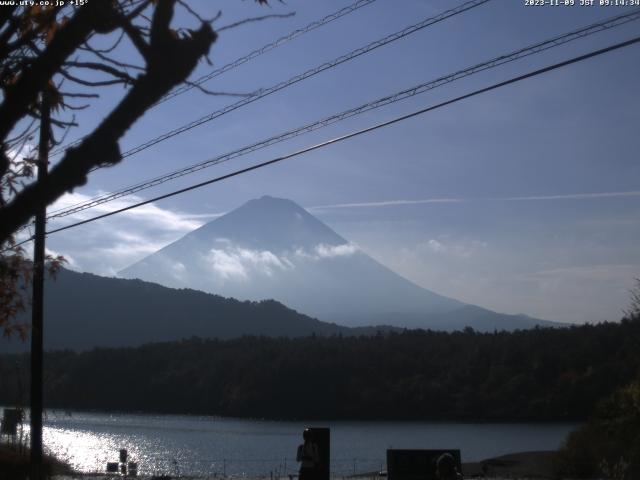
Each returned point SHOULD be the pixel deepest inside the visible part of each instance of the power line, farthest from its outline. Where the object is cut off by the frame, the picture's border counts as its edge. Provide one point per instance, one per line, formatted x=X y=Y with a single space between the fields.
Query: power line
x=351 y=135
x=404 y=94
x=361 y=132
x=247 y=58
x=308 y=74
x=305 y=75
x=260 y=51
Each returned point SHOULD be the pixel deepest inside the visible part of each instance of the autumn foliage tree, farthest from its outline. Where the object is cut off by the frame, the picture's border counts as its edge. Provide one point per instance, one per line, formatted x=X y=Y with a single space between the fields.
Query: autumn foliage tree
x=69 y=52
x=608 y=445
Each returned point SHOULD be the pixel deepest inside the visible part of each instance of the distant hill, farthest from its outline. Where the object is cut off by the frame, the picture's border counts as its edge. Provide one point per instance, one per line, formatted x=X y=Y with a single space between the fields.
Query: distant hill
x=545 y=374
x=273 y=248
x=84 y=311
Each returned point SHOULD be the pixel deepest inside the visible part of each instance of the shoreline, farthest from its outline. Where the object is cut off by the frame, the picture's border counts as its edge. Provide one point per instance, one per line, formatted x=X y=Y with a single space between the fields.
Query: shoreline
x=531 y=465
x=62 y=412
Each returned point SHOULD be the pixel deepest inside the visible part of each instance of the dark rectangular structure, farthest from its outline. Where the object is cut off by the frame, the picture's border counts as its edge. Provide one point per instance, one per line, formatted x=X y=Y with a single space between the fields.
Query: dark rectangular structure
x=322 y=438
x=416 y=464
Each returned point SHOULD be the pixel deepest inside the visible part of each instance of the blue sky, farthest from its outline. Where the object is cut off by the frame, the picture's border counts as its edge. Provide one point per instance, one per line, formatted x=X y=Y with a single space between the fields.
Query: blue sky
x=522 y=200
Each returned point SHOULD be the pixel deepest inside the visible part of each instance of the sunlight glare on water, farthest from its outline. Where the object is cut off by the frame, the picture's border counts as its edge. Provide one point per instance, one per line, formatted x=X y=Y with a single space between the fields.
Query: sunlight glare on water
x=84 y=451
x=232 y=447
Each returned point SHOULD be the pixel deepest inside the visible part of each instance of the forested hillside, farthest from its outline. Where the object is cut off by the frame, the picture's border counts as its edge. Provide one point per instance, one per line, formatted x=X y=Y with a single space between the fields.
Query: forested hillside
x=540 y=374
x=85 y=311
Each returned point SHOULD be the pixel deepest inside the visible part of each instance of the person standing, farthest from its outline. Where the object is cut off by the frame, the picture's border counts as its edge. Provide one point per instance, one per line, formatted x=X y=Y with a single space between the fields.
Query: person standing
x=447 y=468
x=309 y=456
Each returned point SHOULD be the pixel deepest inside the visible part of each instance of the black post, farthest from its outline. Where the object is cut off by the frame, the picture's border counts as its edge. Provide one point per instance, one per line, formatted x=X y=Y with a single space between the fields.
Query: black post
x=38 y=299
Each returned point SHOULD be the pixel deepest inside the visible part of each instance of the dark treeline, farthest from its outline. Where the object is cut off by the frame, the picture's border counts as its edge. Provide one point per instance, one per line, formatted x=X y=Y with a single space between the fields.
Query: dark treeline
x=540 y=374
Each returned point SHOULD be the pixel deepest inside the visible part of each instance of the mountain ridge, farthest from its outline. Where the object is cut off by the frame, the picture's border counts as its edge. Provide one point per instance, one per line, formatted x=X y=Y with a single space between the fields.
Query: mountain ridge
x=84 y=311
x=273 y=248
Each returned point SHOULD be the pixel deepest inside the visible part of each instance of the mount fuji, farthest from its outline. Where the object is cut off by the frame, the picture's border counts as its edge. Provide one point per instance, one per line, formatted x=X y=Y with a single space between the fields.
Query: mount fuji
x=271 y=248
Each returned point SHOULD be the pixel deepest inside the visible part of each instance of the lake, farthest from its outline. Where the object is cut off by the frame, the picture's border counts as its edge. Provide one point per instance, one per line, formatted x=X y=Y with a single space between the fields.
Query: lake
x=192 y=445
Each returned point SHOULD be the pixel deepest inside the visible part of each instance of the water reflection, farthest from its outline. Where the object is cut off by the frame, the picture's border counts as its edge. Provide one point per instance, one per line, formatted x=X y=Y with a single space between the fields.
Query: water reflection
x=84 y=451
x=202 y=446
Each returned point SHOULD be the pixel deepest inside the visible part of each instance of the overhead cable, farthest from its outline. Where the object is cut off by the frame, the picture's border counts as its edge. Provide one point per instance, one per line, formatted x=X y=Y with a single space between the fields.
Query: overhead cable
x=359 y=132
x=305 y=75
x=247 y=58
x=270 y=46
x=396 y=97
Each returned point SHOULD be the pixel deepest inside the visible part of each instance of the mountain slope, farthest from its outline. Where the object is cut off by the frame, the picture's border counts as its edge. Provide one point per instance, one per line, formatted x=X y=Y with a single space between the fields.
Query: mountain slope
x=273 y=248
x=84 y=310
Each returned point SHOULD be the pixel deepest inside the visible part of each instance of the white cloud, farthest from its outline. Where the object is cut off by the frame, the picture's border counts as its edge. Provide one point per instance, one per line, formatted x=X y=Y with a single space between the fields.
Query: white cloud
x=235 y=263
x=129 y=249
x=444 y=246
x=388 y=203
x=435 y=245
x=322 y=250
x=108 y=245
x=178 y=270
x=69 y=260
x=151 y=215
x=227 y=265
x=424 y=201
x=331 y=251
x=577 y=196
x=264 y=260
x=113 y=243
x=569 y=283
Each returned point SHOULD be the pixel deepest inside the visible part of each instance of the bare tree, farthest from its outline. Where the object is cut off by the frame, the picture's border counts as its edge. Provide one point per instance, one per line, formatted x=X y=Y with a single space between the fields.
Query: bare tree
x=62 y=50
x=634 y=308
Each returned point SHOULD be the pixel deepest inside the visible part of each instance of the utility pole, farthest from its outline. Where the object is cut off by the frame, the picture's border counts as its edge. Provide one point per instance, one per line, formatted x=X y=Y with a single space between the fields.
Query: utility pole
x=37 y=309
